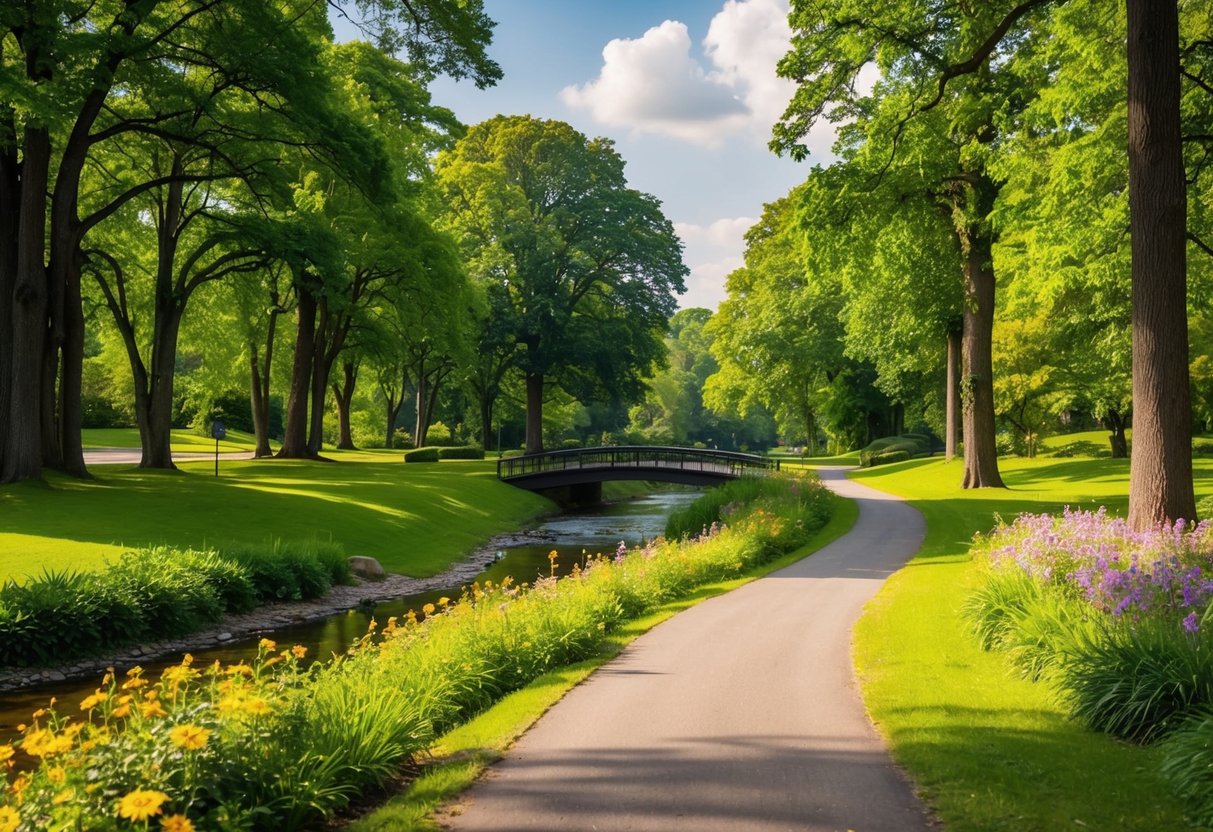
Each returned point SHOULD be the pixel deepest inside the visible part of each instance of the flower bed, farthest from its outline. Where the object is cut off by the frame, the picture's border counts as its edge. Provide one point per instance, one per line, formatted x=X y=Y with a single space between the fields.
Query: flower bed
x=272 y=745
x=1117 y=620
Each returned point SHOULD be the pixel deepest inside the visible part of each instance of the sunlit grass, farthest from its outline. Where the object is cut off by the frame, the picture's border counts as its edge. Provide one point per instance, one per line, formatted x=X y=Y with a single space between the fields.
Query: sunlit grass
x=415 y=519
x=183 y=440
x=992 y=751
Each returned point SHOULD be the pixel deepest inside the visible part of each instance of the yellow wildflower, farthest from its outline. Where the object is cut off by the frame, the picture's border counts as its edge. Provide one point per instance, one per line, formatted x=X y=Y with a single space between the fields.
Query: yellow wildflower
x=268 y=644
x=65 y=796
x=141 y=804
x=176 y=823
x=92 y=701
x=189 y=737
x=152 y=709
x=443 y=601
x=428 y=609
x=121 y=712
x=44 y=743
x=9 y=819
x=256 y=705
x=6 y=752
x=56 y=775
x=299 y=651
x=241 y=669
x=134 y=684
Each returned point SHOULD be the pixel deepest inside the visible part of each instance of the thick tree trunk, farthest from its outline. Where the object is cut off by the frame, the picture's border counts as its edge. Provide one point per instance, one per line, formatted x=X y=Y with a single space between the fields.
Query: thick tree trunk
x=534 y=413
x=977 y=386
x=157 y=450
x=1160 y=474
x=487 y=438
x=71 y=383
x=320 y=381
x=421 y=425
x=10 y=212
x=343 y=395
x=294 y=439
x=951 y=411
x=23 y=449
x=1115 y=424
x=259 y=386
x=393 y=401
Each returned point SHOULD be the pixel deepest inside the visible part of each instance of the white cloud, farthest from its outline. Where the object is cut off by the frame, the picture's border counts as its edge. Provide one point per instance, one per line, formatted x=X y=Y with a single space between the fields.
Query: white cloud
x=654 y=85
x=711 y=252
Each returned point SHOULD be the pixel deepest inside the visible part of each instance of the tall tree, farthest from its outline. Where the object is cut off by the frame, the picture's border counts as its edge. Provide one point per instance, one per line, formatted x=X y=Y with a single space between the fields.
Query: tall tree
x=587 y=262
x=76 y=77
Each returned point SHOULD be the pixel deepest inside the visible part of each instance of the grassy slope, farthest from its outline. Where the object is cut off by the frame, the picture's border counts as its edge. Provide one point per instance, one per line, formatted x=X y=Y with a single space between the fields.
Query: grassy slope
x=989 y=750
x=415 y=519
x=183 y=441
x=460 y=756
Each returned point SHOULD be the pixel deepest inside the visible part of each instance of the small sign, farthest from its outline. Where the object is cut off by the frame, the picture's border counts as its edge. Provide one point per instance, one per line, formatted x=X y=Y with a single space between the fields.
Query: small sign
x=218 y=430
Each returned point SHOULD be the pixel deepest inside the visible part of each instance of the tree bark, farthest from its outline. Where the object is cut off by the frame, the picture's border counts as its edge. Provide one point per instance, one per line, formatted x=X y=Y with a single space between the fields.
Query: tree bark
x=294 y=439
x=10 y=213
x=23 y=448
x=977 y=390
x=951 y=412
x=534 y=413
x=393 y=400
x=487 y=438
x=1115 y=424
x=1160 y=474
x=343 y=395
x=259 y=388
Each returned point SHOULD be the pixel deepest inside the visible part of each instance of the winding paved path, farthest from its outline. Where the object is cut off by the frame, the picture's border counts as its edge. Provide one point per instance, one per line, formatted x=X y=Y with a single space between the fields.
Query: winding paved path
x=740 y=714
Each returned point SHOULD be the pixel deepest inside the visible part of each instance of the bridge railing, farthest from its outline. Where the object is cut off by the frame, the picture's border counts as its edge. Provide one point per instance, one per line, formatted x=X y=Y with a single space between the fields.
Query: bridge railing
x=726 y=463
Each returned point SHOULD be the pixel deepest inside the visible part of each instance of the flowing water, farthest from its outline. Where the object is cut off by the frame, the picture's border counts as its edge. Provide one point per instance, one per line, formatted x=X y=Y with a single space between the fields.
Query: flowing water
x=574 y=535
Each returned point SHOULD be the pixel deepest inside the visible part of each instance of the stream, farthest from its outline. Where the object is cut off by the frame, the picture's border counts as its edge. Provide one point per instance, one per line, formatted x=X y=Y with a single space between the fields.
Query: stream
x=596 y=529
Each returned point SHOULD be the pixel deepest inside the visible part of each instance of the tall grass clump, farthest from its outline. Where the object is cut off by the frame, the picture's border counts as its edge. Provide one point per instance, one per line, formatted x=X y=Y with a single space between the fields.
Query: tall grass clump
x=274 y=745
x=1117 y=620
x=151 y=594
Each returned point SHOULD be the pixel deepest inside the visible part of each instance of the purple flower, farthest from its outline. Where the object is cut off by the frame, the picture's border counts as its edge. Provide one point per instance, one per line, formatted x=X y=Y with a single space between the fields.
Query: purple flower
x=1191 y=622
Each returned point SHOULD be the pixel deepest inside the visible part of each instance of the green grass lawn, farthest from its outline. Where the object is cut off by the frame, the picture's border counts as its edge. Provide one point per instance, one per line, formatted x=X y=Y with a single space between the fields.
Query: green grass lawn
x=989 y=750
x=415 y=519
x=183 y=440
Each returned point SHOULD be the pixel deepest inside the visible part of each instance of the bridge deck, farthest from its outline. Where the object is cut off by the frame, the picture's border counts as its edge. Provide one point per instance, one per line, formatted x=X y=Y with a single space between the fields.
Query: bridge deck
x=629 y=462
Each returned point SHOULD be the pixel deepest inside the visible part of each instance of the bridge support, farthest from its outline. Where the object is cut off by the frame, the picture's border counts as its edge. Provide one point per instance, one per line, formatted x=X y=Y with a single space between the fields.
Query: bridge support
x=578 y=494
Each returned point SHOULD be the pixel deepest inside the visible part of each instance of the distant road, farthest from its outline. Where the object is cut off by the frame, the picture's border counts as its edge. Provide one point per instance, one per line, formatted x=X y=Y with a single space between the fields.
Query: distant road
x=741 y=714
x=131 y=456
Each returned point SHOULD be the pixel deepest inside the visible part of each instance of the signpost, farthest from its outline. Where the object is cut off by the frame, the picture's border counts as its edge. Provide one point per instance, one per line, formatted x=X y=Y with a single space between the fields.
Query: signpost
x=219 y=431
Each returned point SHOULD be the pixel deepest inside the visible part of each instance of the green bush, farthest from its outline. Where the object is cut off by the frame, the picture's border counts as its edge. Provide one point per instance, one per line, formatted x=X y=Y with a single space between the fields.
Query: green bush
x=428 y=454
x=148 y=594
x=1188 y=765
x=461 y=452
x=891 y=449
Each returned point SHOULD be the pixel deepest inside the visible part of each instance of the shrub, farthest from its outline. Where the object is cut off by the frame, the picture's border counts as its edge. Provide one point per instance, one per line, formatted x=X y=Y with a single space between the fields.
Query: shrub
x=291 y=570
x=421 y=455
x=890 y=449
x=461 y=452
x=1188 y=765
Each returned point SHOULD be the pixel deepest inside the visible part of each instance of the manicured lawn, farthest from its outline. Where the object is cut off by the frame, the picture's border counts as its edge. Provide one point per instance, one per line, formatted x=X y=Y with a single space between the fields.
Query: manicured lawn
x=415 y=519
x=990 y=750
x=183 y=441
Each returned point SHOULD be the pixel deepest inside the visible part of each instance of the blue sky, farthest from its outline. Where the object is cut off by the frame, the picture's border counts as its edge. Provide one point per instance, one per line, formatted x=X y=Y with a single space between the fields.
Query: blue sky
x=687 y=90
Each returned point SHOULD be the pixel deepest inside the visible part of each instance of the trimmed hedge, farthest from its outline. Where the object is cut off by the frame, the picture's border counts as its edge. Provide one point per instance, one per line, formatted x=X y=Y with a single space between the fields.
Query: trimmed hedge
x=461 y=452
x=150 y=594
x=429 y=454
x=891 y=449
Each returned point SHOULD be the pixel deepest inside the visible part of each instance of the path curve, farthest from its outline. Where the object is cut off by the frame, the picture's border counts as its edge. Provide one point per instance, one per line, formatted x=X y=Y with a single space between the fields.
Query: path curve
x=741 y=713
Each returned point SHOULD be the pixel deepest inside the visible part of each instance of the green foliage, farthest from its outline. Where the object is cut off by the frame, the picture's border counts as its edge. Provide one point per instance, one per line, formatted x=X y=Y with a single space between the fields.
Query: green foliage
x=149 y=594
x=460 y=452
x=786 y=494
x=421 y=455
x=1188 y=765
x=891 y=449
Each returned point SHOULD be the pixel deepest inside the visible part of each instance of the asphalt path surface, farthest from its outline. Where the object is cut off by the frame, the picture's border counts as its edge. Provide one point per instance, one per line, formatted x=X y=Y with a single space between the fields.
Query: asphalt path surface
x=739 y=714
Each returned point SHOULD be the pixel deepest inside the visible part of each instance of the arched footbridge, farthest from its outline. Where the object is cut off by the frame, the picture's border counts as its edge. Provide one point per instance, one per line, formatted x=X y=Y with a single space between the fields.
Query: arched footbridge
x=580 y=469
